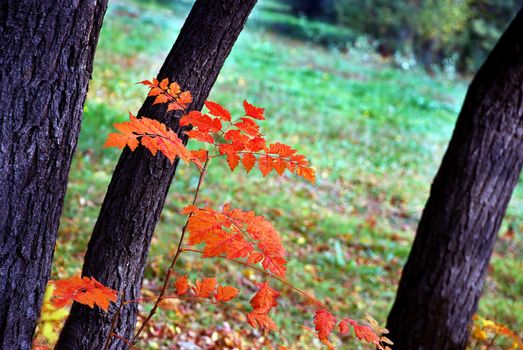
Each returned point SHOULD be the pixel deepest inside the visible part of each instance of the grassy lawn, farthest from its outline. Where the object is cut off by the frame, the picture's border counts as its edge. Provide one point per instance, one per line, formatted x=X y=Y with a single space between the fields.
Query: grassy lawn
x=374 y=132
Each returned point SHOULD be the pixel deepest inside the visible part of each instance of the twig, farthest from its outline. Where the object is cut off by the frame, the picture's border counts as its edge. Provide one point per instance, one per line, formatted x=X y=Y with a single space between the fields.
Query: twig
x=173 y=262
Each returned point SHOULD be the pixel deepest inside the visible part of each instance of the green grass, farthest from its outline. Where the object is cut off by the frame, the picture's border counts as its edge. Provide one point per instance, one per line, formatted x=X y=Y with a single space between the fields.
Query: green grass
x=375 y=133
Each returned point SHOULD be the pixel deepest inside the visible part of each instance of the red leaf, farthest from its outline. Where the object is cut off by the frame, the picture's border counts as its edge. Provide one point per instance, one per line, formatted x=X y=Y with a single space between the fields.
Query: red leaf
x=155 y=91
x=202 y=122
x=229 y=233
x=248 y=161
x=200 y=155
x=256 y=144
x=160 y=99
x=205 y=288
x=184 y=98
x=233 y=159
x=253 y=111
x=181 y=285
x=344 y=326
x=190 y=209
x=259 y=319
x=174 y=106
x=276 y=264
x=164 y=83
x=218 y=111
x=174 y=88
x=235 y=135
x=248 y=126
x=265 y=298
x=364 y=332
x=148 y=83
x=265 y=164
x=324 y=323
x=226 y=293
x=152 y=134
x=200 y=136
x=86 y=291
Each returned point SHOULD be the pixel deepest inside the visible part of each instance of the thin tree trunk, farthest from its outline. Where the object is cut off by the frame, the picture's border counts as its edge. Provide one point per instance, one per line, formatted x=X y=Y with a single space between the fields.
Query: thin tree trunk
x=118 y=249
x=46 y=55
x=443 y=278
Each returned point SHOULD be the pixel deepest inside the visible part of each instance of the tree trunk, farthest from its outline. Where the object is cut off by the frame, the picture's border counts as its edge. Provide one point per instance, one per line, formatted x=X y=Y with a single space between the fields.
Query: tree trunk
x=118 y=249
x=443 y=278
x=46 y=55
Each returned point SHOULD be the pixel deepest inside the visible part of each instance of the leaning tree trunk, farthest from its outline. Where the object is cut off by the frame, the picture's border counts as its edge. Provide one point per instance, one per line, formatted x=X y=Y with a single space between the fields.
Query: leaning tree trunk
x=118 y=249
x=46 y=55
x=443 y=278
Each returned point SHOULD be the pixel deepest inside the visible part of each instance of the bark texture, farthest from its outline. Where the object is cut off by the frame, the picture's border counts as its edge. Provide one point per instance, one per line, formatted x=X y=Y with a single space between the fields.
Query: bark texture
x=443 y=278
x=46 y=55
x=118 y=249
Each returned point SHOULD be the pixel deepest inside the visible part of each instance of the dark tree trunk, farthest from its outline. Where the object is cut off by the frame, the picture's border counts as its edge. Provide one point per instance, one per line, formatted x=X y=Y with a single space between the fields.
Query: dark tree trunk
x=443 y=278
x=118 y=249
x=46 y=55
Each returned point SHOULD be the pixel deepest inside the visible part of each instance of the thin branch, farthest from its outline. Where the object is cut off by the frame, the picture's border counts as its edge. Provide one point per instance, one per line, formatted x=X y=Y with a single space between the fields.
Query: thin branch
x=113 y=326
x=174 y=260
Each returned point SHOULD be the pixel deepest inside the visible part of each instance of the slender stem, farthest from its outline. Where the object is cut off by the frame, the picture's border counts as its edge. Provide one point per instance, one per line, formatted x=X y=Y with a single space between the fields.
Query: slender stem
x=113 y=325
x=270 y=275
x=123 y=339
x=491 y=343
x=174 y=260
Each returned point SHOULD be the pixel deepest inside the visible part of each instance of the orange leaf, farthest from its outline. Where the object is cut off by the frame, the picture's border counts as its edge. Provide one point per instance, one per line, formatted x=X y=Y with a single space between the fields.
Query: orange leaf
x=226 y=293
x=190 y=209
x=86 y=290
x=256 y=144
x=171 y=93
x=148 y=83
x=174 y=88
x=200 y=136
x=205 y=288
x=160 y=99
x=174 y=106
x=164 y=83
x=200 y=154
x=184 y=99
x=235 y=135
x=364 y=333
x=248 y=161
x=344 y=326
x=233 y=159
x=155 y=91
x=152 y=134
x=253 y=111
x=265 y=164
x=259 y=319
x=265 y=298
x=203 y=125
x=324 y=323
x=181 y=285
x=234 y=233
x=248 y=126
x=218 y=111
x=120 y=141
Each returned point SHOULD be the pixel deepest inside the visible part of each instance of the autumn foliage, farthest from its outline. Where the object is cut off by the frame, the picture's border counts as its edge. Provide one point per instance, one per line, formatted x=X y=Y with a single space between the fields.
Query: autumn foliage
x=234 y=234
x=230 y=233
x=87 y=291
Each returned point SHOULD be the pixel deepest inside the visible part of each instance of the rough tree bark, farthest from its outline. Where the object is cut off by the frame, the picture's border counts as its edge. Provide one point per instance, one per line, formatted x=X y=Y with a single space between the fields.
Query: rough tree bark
x=443 y=278
x=118 y=249
x=46 y=55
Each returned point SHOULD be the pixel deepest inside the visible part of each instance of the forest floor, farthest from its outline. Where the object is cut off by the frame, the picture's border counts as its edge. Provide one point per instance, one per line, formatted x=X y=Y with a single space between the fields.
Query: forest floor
x=375 y=132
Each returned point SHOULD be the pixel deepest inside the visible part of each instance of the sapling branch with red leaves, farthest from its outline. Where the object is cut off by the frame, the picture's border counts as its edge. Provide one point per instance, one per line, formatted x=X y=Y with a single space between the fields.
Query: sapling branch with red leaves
x=239 y=236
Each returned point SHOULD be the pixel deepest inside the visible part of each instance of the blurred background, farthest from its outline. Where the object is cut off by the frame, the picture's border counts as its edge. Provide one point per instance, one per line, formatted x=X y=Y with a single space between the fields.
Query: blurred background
x=369 y=90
